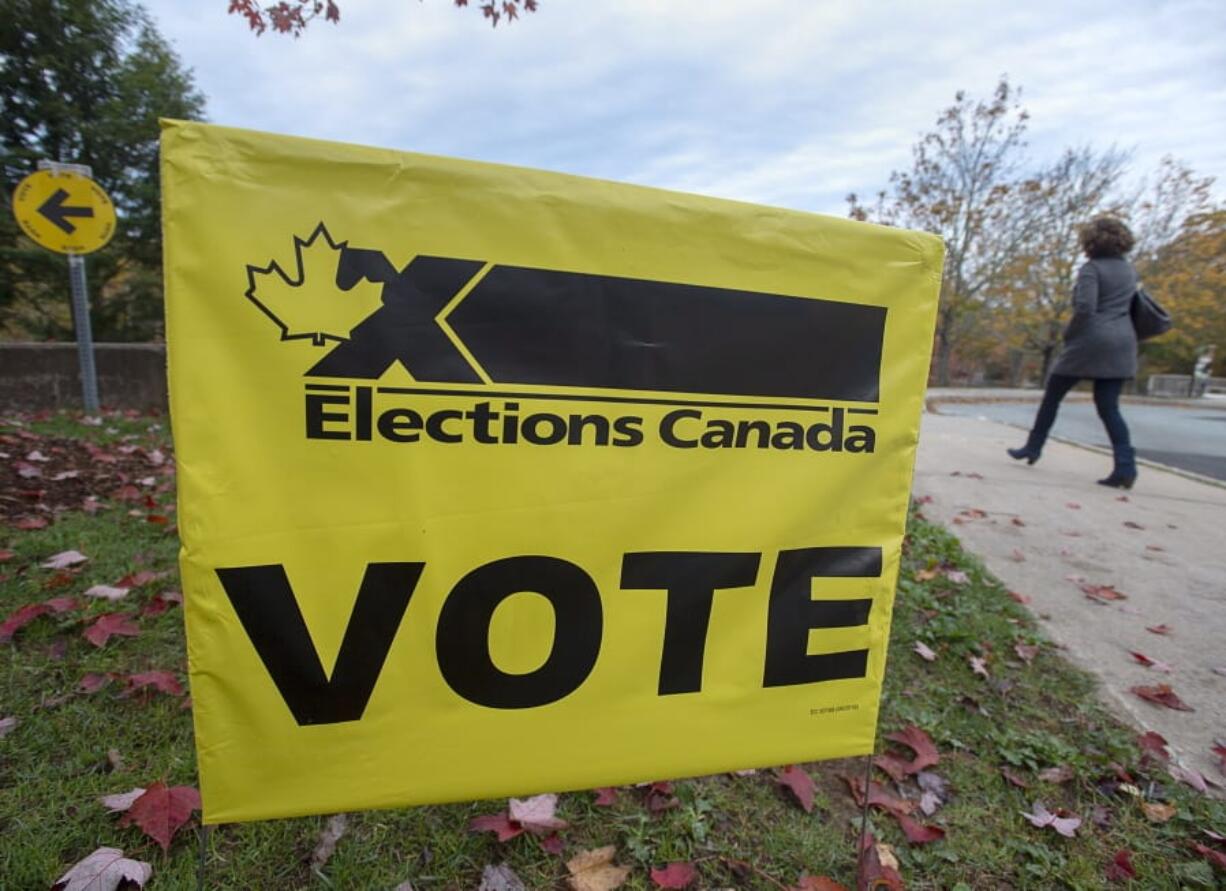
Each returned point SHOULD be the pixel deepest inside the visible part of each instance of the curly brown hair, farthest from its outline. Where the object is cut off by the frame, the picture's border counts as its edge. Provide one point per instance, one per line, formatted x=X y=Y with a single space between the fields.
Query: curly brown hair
x=1106 y=237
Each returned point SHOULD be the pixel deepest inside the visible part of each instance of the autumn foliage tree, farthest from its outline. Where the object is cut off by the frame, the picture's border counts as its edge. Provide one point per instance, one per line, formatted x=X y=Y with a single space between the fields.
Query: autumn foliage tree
x=964 y=185
x=293 y=16
x=1033 y=292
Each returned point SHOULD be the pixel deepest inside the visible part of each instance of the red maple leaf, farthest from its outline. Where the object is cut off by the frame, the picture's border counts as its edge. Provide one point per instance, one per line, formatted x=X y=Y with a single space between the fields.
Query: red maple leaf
x=1120 y=868
x=1217 y=858
x=162 y=810
x=92 y=683
x=918 y=833
x=110 y=624
x=675 y=875
x=1155 y=744
x=1159 y=629
x=1162 y=694
x=914 y=738
x=873 y=874
x=660 y=797
x=23 y=616
x=552 y=844
x=606 y=796
x=799 y=784
x=501 y=824
x=897 y=768
x=159 y=680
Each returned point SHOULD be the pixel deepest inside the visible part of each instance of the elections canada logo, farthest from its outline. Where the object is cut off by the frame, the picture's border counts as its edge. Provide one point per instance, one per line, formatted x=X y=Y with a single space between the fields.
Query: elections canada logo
x=540 y=357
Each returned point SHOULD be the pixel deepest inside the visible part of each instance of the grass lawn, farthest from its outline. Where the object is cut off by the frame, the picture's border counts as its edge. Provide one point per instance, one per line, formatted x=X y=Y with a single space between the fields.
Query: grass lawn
x=69 y=747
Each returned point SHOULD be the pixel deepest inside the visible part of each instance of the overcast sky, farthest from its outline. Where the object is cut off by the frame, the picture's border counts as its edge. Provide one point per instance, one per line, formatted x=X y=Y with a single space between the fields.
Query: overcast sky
x=786 y=102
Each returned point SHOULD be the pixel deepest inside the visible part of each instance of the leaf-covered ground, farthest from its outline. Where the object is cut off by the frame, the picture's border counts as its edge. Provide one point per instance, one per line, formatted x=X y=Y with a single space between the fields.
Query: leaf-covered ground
x=998 y=767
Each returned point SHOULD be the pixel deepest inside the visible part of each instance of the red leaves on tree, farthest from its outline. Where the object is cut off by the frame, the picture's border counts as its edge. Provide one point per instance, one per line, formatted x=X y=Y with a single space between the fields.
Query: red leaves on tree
x=1161 y=694
x=162 y=811
x=799 y=783
x=109 y=625
x=1120 y=868
x=675 y=875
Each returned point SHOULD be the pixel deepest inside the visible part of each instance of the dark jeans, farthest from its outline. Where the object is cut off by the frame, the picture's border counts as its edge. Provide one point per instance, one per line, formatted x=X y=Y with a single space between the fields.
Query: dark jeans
x=1106 y=400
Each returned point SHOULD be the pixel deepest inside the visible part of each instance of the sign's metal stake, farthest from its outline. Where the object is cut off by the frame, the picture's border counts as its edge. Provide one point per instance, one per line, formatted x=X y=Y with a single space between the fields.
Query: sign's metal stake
x=85 y=336
x=205 y=833
x=861 y=882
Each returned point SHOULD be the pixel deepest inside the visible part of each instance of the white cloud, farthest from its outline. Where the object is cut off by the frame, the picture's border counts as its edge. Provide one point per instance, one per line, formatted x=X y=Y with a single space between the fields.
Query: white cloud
x=772 y=101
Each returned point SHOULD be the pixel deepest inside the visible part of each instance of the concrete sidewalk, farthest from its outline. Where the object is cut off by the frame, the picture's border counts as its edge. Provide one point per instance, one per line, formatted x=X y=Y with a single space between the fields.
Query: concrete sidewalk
x=1163 y=545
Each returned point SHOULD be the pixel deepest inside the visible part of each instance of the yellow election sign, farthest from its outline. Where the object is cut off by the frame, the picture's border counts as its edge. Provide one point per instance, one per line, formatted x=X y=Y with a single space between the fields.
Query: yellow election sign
x=495 y=481
x=64 y=211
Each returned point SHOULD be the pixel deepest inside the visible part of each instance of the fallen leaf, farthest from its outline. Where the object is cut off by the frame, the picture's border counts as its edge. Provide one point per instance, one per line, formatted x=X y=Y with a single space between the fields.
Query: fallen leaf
x=552 y=844
x=675 y=875
x=1102 y=592
x=606 y=796
x=92 y=682
x=924 y=651
x=817 y=883
x=1154 y=744
x=926 y=575
x=1026 y=652
x=64 y=559
x=138 y=579
x=1072 y=505
x=1217 y=858
x=104 y=870
x=1159 y=629
x=500 y=824
x=1187 y=775
x=1060 y=774
x=6 y=555
x=106 y=592
x=1161 y=694
x=159 y=680
x=1219 y=749
x=1150 y=663
x=1064 y=823
x=108 y=625
x=1014 y=778
x=30 y=523
x=536 y=814
x=1019 y=598
x=930 y=803
x=799 y=783
x=121 y=801
x=918 y=833
x=326 y=846
x=878 y=867
x=594 y=870
x=162 y=811
x=500 y=878
x=1017 y=556
x=7 y=725
x=979 y=665
x=1017 y=521
x=660 y=797
x=1156 y=812
x=921 y=743
x=957 y=576
x=1120 y=868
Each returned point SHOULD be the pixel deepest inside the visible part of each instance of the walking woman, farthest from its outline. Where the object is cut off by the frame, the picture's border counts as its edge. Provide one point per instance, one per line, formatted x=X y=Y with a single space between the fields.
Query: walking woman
x=1099 y=343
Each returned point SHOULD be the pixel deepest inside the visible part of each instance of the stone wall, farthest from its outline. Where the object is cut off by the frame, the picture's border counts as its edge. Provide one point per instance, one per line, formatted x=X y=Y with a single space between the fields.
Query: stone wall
x=47 y=375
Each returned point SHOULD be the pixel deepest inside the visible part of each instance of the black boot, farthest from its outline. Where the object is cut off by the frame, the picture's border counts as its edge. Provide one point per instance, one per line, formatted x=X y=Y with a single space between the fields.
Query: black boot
x=1124 y=473
x=1028 y=452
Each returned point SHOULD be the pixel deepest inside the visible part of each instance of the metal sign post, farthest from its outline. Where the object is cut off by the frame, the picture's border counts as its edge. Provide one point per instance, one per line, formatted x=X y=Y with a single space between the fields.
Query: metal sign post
x=65 y=211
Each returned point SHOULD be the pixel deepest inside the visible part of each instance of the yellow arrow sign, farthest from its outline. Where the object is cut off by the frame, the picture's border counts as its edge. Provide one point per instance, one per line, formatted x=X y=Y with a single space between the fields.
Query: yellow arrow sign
x=64 y=211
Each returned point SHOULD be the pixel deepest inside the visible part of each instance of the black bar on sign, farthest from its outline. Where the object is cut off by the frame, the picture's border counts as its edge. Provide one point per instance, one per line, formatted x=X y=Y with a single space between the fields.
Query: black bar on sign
x=534 y=326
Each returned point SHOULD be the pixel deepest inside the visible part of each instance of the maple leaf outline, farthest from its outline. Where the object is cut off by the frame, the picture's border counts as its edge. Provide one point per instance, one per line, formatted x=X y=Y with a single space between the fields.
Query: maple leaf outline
x=254 y=272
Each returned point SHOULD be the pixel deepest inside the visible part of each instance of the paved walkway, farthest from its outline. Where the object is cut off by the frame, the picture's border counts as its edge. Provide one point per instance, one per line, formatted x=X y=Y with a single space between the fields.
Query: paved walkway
x=1164 y=546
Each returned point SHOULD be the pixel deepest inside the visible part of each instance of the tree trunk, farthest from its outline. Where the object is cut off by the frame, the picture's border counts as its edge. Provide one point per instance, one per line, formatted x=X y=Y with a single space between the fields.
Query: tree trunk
x=944 y=350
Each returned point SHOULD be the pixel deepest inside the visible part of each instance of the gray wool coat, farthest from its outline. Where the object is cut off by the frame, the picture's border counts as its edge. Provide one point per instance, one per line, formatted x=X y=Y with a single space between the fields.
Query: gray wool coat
x=1100 y=341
